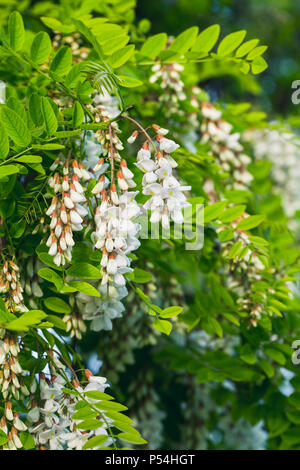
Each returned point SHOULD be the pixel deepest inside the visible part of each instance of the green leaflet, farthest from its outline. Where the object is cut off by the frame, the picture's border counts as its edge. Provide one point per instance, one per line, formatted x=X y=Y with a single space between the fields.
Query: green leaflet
x=184 y=41
x=41 y=47
x=62 y=61
x=246 y=48
x=57 y=305
x=139 y=276
x=128 y=82
x=250 y=222
x=258 y=65
x=170 y=312
x=84 y=271
x=14 y=104
x=4 y=143
x=95 y=442
x=231 y=42
x=35 y=109
x=8 y=170
x=16 y=31
x=85 y=288
x=121 y=56
x=57 y=25
x=232 y=213
x=49 y=116
x=163 y=326
x=258 y=51
x=154 y=45
x=206 y=39
x=15 y=127
x=78 y=115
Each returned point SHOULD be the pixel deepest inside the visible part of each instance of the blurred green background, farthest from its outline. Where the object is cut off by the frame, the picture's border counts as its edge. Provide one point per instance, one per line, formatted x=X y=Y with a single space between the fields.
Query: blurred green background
x=275 y=22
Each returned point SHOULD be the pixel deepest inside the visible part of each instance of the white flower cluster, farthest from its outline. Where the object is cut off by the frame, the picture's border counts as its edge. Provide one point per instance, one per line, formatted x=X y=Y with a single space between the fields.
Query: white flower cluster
x=283 y=150
x=11 y=386
x=30 y=281
x=104 y=108
x=75 y=325
x=167 y=197
x=52 y=424
x=11 y=425
x=10 y=285
x=225 y=146
x=11 y=382
x=116 y=237
x=115 y=232
x=240 y=435
x=107 y=102
x=66 y=209
x=168 y=76
x=101 y=311
x=169 y=79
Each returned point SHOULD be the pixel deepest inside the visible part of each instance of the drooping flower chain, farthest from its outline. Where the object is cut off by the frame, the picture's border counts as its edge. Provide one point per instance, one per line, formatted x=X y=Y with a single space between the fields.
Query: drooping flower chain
x=12 y=385
x=66 y=210
x=52 y=423
x=167 y=197
x=225 y=146
x=115 y=233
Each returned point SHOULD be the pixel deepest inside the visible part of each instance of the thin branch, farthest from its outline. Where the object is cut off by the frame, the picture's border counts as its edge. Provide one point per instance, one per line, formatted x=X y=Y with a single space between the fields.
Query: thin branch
x=142 y=129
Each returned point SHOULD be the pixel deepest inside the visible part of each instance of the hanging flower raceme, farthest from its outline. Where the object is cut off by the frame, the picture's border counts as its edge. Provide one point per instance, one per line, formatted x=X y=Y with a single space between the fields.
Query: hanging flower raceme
x=244 y=272
x=75 y=325
x=104 y=107
x=10 y=286
x=11 y=382
x=52 y=423
x=12 y=385
x=168 y=76
x=12 y=426
x=30 y=281
x=282 y=149
x=167 y=197
x=67 y=210
x=225 y=146
x=172 y=93
x=115 y=232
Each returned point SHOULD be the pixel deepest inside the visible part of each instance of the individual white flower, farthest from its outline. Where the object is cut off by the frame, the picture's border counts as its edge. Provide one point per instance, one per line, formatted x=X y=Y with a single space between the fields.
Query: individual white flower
x=144 y=152
x=167 y=145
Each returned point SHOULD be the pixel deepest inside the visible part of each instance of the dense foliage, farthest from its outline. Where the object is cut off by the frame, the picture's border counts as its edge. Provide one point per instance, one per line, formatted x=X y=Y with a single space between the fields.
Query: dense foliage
x=148 y=238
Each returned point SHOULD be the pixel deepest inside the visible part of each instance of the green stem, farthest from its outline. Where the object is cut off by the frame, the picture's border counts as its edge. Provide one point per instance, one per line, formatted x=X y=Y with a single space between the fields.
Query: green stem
x=142 y=129
x=23 y=151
